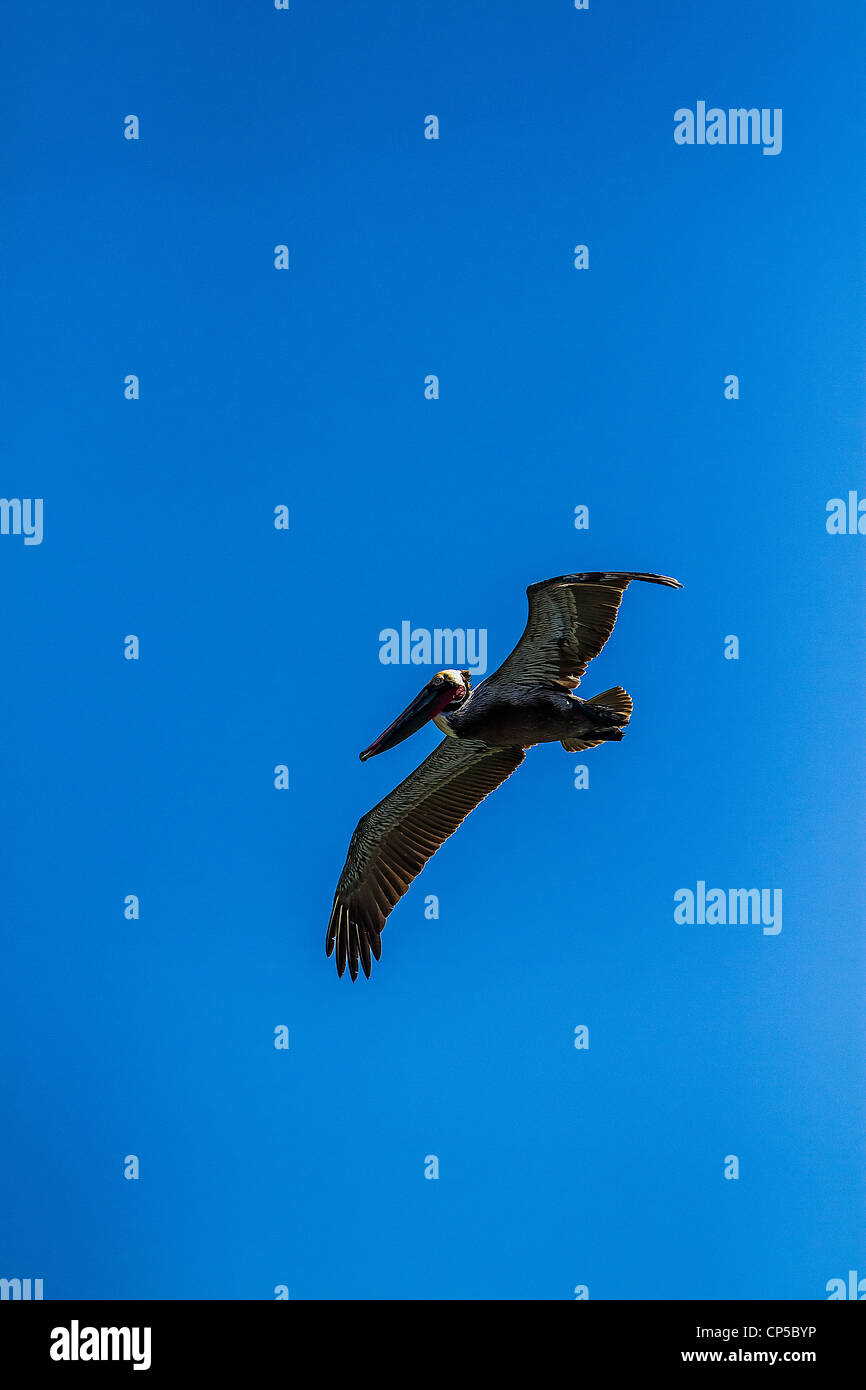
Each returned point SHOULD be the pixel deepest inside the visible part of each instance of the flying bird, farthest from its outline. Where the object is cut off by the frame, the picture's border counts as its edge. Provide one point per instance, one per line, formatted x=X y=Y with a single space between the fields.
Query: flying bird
x=528 y=700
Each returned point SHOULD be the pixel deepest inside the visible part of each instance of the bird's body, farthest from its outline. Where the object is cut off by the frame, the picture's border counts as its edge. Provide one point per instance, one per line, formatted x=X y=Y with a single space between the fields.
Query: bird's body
x=528 y=700
x=525 y=717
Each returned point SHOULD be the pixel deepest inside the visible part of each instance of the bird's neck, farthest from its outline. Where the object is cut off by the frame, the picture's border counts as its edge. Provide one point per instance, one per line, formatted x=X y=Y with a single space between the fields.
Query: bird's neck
x=449 y=723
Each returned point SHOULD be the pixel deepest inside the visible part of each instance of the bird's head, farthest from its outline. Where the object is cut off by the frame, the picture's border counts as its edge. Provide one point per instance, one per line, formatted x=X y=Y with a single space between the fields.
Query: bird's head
x=446 y=692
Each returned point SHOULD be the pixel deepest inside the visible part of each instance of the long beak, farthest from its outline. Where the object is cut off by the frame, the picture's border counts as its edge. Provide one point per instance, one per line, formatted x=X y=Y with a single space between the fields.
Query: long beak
x=427 y=705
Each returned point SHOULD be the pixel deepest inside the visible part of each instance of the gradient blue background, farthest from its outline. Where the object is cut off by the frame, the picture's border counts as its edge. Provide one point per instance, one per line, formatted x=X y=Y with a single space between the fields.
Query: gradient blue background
x=258 y=647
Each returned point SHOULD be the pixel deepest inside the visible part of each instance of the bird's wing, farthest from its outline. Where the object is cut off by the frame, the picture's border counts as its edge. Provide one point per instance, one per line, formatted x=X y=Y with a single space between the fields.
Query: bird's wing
x=393 y=842
x=570 y=619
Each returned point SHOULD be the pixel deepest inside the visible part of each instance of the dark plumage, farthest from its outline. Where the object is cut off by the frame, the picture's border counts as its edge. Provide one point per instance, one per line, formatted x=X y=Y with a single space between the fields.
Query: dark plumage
x=528 y=700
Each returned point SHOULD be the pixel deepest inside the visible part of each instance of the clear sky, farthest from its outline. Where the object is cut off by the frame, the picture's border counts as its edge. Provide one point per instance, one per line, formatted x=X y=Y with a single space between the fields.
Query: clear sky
x=602 y=1167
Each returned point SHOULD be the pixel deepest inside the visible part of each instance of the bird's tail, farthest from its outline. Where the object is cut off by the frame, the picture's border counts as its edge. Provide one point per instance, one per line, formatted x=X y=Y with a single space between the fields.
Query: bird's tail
x=618 y=704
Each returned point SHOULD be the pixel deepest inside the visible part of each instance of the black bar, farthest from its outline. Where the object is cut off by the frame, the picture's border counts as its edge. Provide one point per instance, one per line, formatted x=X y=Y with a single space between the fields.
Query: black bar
x=216 y=1339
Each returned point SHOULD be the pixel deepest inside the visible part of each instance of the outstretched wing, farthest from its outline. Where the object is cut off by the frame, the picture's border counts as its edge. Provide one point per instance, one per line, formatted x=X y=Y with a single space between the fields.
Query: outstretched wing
x=570 y=619
x=393 y=842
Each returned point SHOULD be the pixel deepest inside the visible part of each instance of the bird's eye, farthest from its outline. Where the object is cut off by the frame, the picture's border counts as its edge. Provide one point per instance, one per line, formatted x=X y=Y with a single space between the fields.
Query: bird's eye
x=437 y=680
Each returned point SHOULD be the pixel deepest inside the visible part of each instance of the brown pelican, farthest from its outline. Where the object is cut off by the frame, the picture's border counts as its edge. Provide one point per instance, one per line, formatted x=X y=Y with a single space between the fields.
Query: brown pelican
x=528 y=700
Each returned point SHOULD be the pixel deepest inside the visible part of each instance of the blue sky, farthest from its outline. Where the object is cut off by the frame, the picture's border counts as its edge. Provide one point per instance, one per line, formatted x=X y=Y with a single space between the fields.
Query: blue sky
x=558 y=387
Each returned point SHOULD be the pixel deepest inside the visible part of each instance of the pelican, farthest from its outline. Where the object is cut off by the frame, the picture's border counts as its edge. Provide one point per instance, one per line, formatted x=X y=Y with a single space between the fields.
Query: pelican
x=527 y=700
